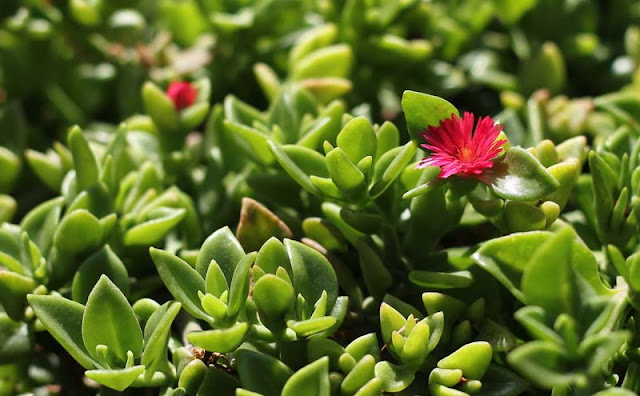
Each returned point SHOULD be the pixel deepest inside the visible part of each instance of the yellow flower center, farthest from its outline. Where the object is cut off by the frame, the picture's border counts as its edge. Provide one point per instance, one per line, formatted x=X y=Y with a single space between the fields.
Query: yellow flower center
x=464 y=154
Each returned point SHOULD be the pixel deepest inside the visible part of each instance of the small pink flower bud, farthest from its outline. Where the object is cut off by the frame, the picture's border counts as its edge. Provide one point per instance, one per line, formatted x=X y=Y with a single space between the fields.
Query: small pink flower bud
x=182 y=94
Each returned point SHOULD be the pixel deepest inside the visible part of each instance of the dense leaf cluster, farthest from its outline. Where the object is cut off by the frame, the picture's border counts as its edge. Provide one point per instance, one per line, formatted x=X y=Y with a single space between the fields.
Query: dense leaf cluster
x=274 y=237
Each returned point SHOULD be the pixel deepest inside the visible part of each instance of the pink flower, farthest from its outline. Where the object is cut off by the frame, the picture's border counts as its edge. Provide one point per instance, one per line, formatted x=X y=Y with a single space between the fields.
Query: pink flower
x=182 y=93
x=459 y=152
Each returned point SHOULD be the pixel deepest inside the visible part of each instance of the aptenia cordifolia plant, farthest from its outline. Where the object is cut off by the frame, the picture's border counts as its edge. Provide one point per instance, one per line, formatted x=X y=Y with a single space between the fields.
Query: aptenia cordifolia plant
x=320 y=198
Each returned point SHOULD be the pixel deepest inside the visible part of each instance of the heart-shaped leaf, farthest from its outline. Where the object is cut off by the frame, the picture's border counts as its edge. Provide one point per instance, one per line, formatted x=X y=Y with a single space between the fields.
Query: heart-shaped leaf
x=223 y=247
x=109 y=320
x=106 y=262
x=422 y=111
x=520 y=176
x=312 y=273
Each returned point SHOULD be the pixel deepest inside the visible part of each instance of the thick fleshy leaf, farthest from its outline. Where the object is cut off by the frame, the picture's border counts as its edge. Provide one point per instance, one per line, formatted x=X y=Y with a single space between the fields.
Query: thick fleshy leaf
x=566 y=173
x=106 y=262
x=309 y=327
x=372 y=388
x=364 y=345
x=47 y=166
x=220 y=340
x=160 y=222
x=318 y=347
x=63 y=319
x=600 y=349
x=13 y=292
x=15 y=343
x=324 y=232
x=473 y=359
x=347 y=177
x=506 y=258
x=78 y=232
x=252 y=140
x=415 y=350
x=326 y=128
x=8 y=208
x=192 y=375
x=84 y=161
x=273 y=296
x=223 y=247
x=292 y=168
x=288 y=109
x=394 y=378
x=161 y=109
x=390 y=321
x=546 y=69
x=311 y=380
x=272 y=255
x=193 y=115
x=326 y=89
x=11 y=166
x=216 y=283
x=422 y=111
x=500 y=381
x=239 y=288
x=181 y=279
x=215 y=307
x=544 y=363
x=109 y=320
x=446 y=377
x=533 y=318
x=310 y=161
x=390 y=166
x=520 y=176
x=339 y=313
x=258 y=224
x=548 y=279
x=361 y=373
x=116 y=379
x=376 y=276
x=219 y=383
x=332 y=61
x=312 y=39
x=312 y=273
x=521 y=217
x=268 y=79
x=441 y=280
x=156 y=334
x=241 y=112
x=144 y=308
x=388 y=138
x=41 y=222
x=357 y=139
x=276 y=373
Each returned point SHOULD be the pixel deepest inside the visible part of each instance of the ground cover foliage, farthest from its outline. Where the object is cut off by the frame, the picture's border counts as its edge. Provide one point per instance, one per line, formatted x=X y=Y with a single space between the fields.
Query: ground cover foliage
x=231 y=197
